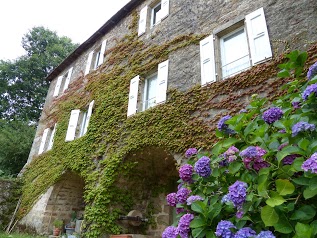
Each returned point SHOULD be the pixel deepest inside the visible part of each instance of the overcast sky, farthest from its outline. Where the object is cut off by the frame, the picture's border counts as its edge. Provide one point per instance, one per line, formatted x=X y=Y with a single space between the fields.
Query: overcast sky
x=77 y=19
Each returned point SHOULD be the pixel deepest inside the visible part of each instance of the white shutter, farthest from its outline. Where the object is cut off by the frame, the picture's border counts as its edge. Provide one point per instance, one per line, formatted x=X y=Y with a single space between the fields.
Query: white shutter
x=165 y=8
x=58 y=86
x=43 y=140
x=102 y=52
x=69 y=74
x=72 y=125
x=142 y=21
x=51 y=141
x=259 y=41
x=162 y=76
x=89 y=112
x=207 y=60
x=133 y=95
x=88 y=65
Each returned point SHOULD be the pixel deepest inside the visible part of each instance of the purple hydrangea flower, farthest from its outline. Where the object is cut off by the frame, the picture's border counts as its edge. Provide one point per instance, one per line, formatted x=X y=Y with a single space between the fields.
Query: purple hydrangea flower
x=296 y=105
x=309 y=90
x=182 y=195
x=281 y=146
x=186 y=172
x=282 y=131
x=272 y=115
x=225 y=199
x=223 y=229
x=230 y=154
x=239 y=214
x=310 y=164
x=170 y=232
x=183 y=225
x=171 y=199
x=193 y=198
x=265 y=234
x=179 y=210
x=312 y=71
x=250 y=152
x=237 y=193
x=190 y=152
x=302 y=126
x=202 y=167
x=222 y=126
x=252 y=158
x=289 y=159
x=245 y=232
x=243 y=111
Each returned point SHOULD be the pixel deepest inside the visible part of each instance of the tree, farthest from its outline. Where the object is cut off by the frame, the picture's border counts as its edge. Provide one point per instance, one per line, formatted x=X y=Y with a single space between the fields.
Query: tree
x=22 y=81
x=15 y=142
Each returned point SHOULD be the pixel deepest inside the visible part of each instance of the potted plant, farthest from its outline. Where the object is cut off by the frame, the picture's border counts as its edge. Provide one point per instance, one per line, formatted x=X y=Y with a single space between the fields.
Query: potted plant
x=58 y=224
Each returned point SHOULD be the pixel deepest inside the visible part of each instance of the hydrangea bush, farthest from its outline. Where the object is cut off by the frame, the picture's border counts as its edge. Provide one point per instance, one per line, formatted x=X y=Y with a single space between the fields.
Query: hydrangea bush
x=260 y=178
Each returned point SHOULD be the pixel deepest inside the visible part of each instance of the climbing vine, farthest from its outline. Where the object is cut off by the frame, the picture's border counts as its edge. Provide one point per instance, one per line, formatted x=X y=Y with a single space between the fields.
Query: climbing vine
x=186 y=120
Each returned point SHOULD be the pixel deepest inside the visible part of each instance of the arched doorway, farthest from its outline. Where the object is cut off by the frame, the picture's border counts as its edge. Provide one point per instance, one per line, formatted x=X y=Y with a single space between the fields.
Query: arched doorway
x=152 y=175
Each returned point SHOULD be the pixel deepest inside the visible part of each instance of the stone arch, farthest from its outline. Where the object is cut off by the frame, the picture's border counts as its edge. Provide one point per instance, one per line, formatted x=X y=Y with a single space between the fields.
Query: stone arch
x=153 y=175
x=66 y=198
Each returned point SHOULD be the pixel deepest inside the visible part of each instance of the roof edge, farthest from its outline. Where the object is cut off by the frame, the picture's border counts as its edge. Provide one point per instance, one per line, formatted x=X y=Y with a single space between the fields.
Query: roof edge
x=125 y=10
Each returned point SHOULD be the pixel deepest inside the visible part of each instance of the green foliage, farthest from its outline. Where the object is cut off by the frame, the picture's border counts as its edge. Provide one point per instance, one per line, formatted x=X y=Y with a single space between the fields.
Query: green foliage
x=22 y=85
x=18 y=235
x=15 y=143
x=280 y=195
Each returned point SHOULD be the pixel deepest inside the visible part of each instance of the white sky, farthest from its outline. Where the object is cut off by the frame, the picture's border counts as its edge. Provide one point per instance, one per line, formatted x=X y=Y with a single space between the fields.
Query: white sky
x=77 y=19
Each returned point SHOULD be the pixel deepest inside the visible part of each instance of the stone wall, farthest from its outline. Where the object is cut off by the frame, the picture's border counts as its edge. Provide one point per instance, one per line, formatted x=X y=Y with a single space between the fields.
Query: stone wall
x=9 y=196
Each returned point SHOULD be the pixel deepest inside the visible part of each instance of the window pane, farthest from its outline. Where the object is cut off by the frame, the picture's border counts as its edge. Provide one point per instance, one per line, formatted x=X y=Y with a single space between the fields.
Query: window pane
x=155 y=14
x=234 y=53
x=151 y=92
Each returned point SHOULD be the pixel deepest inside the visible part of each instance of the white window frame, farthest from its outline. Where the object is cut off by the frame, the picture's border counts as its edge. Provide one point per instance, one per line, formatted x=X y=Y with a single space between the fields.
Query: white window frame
x=157 y=15
x=47 y=139
x=62 y=83
x=145 y=91
x=222 y=48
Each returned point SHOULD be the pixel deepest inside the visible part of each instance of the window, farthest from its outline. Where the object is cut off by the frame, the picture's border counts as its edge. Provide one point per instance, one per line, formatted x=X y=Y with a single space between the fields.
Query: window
x=154 y=90
x=47 y=139
x=155 y=16
x=149 y=99
x=96 y=57
x=62 y=83
x=159 y=11
x=243 y=45
x=78 y=123
x=235 y=56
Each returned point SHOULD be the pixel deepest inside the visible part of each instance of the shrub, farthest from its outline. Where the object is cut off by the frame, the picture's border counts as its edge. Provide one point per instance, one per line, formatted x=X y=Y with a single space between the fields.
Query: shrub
x=260 y=178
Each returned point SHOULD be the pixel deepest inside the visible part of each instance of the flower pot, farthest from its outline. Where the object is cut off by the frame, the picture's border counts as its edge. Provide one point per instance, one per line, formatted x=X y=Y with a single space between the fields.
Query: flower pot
x=56 y=231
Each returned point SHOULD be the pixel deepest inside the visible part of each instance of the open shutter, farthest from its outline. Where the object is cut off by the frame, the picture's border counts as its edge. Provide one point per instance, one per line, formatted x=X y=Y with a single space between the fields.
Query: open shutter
x=259 y=41
x=165 y=8
x=89 y=112
x=162 y=76
x=207 y=60
x=142 y=21
x=69 y=74
x=72 y=125
x=51 y=141
x=43 y=140
x=88 y=65
x=102 y=52
x=58 y=86
x=133 y=95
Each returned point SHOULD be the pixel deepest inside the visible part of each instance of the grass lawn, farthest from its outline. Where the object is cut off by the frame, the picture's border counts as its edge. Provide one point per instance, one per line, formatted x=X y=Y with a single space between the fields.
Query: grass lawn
x=16 y=235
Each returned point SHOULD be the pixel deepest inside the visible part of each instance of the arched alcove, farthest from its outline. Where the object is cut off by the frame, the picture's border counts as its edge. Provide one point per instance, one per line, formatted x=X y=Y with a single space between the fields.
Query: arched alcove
x=152 y=175
x=66 y=198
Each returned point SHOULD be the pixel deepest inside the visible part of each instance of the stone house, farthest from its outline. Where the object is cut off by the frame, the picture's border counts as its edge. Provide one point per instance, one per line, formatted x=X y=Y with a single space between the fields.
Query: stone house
x=150 y=83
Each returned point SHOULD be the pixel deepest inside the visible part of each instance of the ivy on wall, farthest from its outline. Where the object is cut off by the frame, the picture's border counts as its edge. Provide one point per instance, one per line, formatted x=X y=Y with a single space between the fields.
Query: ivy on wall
x=187 y=119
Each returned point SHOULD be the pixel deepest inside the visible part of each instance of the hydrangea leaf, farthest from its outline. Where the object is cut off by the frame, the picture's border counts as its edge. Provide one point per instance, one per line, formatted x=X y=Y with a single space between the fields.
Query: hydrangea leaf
x=283 y=225
x=308 y=193
x=303 y=230
x=303 y=143
x=199 y=232
x=229 y=142
x=269 y=216
x=313 y=183
x=198 y=206
x=234 y=167
x=297 y=164
x=198 y=222
x=210 y=234
x=288 y=150
x=301 y=181
x=304 y=213
x=275 y=199
x=314 y=226
x=284 y=187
